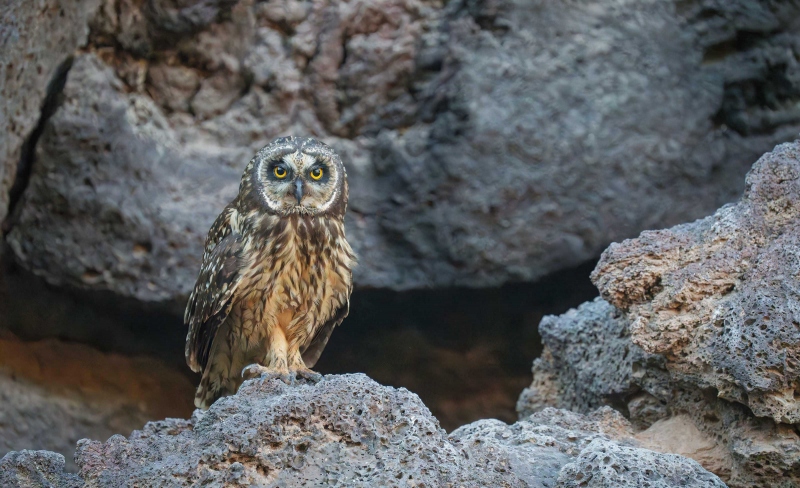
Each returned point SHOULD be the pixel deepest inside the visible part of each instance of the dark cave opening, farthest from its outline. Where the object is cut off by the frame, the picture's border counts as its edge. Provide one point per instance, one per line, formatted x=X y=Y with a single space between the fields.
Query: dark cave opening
x=466 y=352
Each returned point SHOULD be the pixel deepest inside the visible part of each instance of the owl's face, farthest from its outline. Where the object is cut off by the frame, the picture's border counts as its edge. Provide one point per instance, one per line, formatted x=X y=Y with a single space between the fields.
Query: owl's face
x=296 y=175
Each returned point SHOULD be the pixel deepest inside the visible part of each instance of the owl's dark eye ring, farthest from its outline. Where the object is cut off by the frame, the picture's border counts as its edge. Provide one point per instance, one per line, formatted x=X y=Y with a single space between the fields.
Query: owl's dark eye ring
x=280 y=172
x=315 y=173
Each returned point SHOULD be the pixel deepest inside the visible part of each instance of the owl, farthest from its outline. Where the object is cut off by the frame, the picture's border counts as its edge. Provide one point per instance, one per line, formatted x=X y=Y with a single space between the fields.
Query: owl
x=277 y=273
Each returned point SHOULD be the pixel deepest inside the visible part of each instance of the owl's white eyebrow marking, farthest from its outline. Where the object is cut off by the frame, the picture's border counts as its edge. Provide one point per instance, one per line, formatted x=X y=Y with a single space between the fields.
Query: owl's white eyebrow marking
x=263 y=164
x=291 y=160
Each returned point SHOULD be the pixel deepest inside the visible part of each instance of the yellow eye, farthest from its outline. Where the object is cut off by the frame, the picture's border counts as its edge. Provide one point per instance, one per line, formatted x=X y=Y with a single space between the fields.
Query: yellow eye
x=316 y=173
x=280 y=172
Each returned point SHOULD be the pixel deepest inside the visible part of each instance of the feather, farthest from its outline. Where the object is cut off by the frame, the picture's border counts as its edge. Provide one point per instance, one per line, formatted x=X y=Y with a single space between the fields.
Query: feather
x=313 y=350
x=213 y=294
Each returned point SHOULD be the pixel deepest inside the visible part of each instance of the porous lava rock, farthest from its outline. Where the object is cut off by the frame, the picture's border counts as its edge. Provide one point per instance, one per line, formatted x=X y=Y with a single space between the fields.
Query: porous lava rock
x=719 y=298
x=696 y=336
x=348 y=430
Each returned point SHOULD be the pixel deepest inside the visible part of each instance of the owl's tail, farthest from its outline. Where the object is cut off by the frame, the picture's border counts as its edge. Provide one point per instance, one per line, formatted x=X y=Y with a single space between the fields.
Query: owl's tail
x=216 y=383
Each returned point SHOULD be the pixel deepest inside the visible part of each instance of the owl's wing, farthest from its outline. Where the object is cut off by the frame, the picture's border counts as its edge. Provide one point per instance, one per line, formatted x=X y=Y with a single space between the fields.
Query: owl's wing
x=313 y=350
x=212 y=297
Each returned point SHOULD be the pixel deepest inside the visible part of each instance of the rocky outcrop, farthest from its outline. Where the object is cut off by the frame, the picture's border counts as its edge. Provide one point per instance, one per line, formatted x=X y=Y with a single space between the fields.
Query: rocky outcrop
x=699 y=342
x=720 y=297
x=52 y=394
x=461 y=125
x=37 y=40
x=350 y=431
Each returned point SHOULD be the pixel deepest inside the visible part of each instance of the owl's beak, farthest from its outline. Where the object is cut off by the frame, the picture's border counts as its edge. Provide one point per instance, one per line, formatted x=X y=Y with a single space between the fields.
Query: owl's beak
x=298 y=190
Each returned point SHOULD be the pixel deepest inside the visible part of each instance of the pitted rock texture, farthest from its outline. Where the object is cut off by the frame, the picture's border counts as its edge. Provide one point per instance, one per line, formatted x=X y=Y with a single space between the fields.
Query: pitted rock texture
x=720 y=298
x=36 y=469
x=590 y=360
x=345 y=431
x=461 y=173
x=350 y=431
x=36 y=40
x=538 y=447
x=605 y=464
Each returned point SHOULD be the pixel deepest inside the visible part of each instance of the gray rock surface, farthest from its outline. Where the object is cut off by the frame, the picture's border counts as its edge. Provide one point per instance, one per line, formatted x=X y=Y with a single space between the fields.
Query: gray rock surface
x=608 y=465
x=589 y=361
x=350 y=431
x=597 y=364
x=585 y=106
x=36 y=39
x=36 y=469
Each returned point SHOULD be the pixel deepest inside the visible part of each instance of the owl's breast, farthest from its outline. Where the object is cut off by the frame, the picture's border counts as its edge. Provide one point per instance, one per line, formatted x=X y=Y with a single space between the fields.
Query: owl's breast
x=302 y=280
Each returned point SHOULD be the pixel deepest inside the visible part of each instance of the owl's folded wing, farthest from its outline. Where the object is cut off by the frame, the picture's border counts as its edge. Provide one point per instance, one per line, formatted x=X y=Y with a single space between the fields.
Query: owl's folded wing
x=212 y=298
x=313 y=350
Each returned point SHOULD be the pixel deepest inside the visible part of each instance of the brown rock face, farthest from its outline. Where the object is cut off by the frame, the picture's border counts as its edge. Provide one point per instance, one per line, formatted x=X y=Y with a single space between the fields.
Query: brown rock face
x=720 y=298
x=52 y=394
x=700 y=340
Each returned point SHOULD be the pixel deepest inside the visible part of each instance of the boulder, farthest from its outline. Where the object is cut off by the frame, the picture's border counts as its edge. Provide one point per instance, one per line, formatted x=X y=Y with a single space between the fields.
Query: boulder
x=486 y=142
x=719 y=298
x=348 y=430
x=696 y=335
x=589 y=361
x=36 y=469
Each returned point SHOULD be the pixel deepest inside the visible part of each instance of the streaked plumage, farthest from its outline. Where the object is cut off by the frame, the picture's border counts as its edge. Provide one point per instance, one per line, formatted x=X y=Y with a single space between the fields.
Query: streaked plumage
x=277 y=270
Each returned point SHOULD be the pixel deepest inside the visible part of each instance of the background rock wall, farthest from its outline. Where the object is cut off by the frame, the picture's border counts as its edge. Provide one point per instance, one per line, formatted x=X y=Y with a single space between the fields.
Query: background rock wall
x=52 y=394
x=486 y=142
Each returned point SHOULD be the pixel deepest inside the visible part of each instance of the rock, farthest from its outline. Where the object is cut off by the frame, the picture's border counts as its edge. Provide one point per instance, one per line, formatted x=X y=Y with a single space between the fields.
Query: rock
x=127 y=186
x=37 y=39
x=671 y=416
x=347 y=430
x=589 y=361
x=52 y=394
x=350 y=431
x=36 y=469
x=679 y=434
x=605 y=464
x=719 y=298
x=537 y=448
x=645 y=102
x=701 y=349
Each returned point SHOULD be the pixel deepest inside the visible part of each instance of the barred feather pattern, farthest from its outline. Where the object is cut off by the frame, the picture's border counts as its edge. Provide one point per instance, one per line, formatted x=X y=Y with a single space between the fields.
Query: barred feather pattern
x=271 y=289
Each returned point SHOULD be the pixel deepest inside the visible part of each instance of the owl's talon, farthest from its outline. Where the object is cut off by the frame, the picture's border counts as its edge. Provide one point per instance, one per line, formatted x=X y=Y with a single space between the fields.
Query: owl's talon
x=265 y=374
x=309 y=375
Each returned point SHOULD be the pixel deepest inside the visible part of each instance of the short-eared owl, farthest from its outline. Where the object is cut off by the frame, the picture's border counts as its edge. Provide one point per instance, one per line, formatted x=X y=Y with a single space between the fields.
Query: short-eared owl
x=277 y=271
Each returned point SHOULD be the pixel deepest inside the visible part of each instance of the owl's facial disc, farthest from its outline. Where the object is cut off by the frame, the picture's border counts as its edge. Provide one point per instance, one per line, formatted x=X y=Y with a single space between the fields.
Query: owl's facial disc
x=299 y=183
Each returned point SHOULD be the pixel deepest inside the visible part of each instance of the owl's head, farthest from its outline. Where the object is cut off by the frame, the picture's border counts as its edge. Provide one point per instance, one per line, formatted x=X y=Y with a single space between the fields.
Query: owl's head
x=297 y=175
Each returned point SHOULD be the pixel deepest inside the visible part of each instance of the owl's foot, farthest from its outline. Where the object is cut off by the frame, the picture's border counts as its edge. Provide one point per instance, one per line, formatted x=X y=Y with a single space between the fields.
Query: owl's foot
x=287 y=376
x=265 y=373
x=308 y=375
